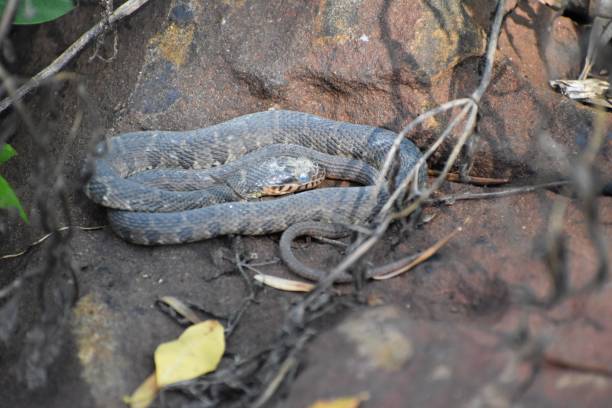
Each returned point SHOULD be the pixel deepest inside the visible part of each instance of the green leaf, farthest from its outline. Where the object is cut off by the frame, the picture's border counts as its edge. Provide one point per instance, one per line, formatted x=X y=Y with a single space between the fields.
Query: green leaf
x=7 y=151
x=39 y=11
x=8 y=199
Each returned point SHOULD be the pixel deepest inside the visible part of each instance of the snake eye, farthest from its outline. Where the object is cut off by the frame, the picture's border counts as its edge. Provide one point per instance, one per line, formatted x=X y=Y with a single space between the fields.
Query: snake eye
x=303 y=178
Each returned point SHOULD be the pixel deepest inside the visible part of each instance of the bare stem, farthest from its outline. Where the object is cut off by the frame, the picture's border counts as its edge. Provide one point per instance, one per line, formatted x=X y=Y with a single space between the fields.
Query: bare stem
x=125 y=10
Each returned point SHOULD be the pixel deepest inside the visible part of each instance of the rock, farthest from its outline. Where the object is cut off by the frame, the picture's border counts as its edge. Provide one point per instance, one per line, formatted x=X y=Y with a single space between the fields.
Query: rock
x=401 y=362
x=502 y=246
x=476 y=278
x=398 y=361
x=378 y=63
x=522 y=117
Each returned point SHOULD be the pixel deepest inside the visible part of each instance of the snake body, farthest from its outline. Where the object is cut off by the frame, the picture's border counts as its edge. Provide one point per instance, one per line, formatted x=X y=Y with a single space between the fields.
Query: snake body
x=150 y=216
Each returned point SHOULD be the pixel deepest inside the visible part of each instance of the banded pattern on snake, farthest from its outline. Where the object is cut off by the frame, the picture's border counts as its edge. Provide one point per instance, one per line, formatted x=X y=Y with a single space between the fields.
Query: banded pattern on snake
x=147 y=215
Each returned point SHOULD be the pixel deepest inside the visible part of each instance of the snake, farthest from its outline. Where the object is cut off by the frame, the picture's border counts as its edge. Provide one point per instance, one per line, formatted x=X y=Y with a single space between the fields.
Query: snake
x=147 y=214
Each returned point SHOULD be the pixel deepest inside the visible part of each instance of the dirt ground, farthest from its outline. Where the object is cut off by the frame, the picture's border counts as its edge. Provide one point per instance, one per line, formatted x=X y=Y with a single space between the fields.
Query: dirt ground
x=445 y=333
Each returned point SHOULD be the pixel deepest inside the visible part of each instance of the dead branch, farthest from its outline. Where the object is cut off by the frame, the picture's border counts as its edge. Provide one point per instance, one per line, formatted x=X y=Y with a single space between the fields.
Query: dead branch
x=469 y=109
x=125 y=10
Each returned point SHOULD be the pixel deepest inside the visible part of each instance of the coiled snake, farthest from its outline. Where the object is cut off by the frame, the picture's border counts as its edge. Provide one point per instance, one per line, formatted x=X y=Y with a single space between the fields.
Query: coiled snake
x=149 y=215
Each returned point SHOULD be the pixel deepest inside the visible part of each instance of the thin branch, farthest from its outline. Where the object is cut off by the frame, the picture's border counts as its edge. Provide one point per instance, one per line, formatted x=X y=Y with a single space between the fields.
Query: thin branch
x=467 y=132
x=8 y=12
x=423 y=159
x=422 y=257
x=125 y=10
x=288 y=365
x=491 y=48
x=400 y=137
x=497 y=194
x=473 y=180
x=44 y=237
x=470 y=108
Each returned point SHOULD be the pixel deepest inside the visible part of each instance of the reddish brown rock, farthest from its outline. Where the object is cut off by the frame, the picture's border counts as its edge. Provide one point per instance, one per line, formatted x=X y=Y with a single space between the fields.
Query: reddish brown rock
x=502 y=246
x=402 y=362
x=476 y=278
x=520 y=108
x=380 y=63
x=399 y=362
x=375 y=62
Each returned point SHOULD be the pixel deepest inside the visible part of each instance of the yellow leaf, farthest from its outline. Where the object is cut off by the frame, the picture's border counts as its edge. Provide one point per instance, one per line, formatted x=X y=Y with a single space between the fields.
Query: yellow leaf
x=344 y=402
x=144 y=395
x=197 y=351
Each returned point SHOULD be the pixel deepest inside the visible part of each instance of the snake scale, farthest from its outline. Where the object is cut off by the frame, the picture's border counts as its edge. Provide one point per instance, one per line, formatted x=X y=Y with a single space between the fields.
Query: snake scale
x=147 y=215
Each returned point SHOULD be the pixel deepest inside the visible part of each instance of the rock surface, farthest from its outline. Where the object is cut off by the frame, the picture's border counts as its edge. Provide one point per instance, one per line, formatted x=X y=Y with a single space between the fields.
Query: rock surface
x=187 y=64
x=397 y=361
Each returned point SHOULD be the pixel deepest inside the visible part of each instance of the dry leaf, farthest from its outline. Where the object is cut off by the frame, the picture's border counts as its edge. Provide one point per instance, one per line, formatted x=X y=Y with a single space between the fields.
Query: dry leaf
x=344 y=402
x=181 y=308
x=592 y=91
x=284 y=284
x=423 y=256
x=196 y=352
x=144 y=395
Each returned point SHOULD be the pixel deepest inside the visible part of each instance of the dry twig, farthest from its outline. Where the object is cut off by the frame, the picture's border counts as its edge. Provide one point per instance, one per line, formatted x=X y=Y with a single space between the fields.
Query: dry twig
x=469 y=109
x=422 y=257
x=44 y=238
x=475 y=180
x=124 y=10
x=319 y=299
x=449 y=199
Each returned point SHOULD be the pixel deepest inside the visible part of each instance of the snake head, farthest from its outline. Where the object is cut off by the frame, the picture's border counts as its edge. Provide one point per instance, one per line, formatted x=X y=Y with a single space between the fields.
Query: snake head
x=289 y=174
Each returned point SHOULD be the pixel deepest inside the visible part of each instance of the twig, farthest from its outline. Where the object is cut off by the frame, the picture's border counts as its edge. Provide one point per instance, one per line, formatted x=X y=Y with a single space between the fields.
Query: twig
x=491 y=47
x=286 y=367
x=55 y=283
x=125 y=10
x=470 y=108
x=251 y=298
x=497 y=194
x=179 y=308
x=329 y=241
x=422 y=257
x=8 y=12
x=289 y=363
x=398 y=139
x=555 y=259
x=239 y=264
x=474 y=180
x=44 y=237
x=366 y=245
x=262 y=263
x=577 y=366
x=422 y=160
x=587 y=190
x=233 y=321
